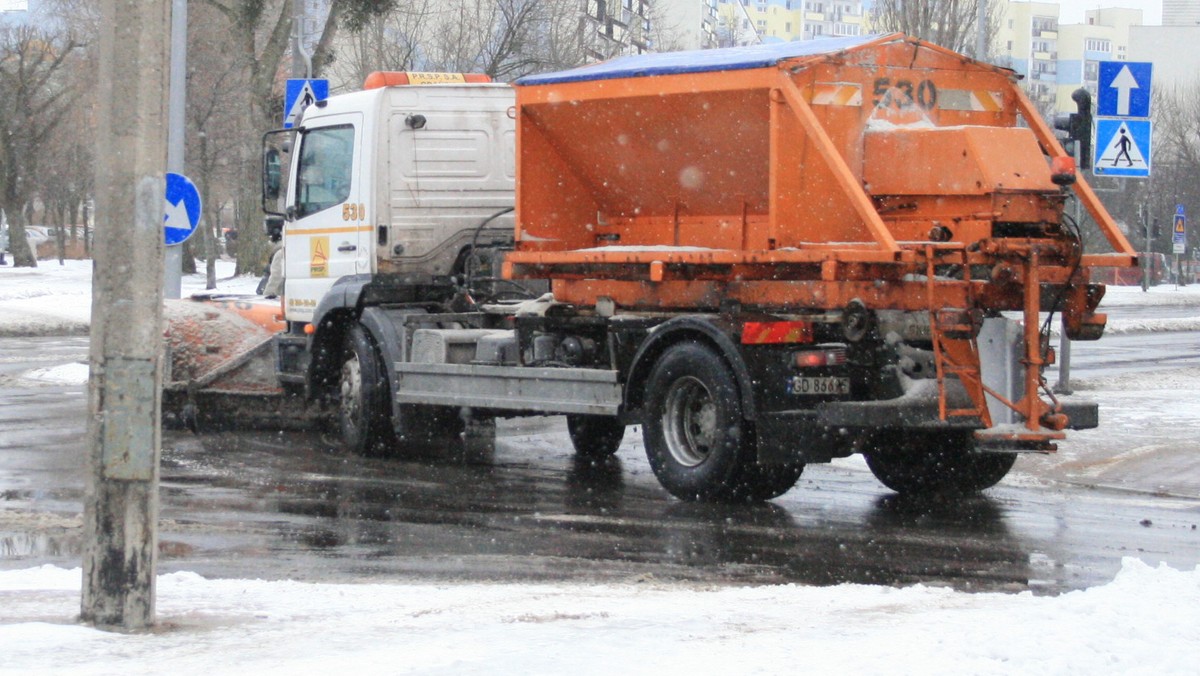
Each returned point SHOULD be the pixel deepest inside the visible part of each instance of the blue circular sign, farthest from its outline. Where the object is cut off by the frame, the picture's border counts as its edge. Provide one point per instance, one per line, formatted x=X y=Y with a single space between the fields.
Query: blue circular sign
x=181 y=212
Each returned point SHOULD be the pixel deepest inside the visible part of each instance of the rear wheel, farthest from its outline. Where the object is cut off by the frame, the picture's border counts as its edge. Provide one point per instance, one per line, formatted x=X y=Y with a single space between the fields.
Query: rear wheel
x=595 y=436
x=936 y=463
x=694 y=429
x=364 y=409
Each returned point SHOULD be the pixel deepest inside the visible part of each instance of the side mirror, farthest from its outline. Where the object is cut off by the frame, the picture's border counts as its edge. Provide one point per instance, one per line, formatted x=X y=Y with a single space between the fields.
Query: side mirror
x=276 y=159
x=271 y=172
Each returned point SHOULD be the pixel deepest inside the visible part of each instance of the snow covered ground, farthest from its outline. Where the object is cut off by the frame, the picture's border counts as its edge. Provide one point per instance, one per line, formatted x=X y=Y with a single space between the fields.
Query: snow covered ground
x=1144 y=621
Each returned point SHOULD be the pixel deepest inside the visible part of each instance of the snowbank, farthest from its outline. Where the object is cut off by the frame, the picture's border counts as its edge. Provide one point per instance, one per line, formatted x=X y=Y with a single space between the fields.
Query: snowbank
x=56 y=300
x=1163 y=294
x=1142 y=622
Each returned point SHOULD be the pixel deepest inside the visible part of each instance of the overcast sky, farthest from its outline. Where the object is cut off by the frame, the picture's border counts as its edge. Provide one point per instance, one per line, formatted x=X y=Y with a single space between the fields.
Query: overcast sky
x=1072 y=10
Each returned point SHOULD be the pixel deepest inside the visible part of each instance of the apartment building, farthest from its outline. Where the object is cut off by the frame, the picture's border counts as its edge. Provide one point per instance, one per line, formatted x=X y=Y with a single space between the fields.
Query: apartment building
x=1055 y=58
x=1181 y=13
x=685 y=24
x=744 y=21
x=1027 y=42
x=616 y=27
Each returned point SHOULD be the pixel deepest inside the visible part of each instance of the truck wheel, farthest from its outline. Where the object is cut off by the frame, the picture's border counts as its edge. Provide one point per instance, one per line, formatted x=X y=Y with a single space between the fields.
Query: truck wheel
x=693 y=429
x=937 y=463
x=363 y=408
x=595 y=436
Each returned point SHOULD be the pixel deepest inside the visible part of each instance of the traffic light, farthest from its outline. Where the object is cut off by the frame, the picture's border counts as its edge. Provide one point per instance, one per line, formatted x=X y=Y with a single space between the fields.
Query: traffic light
x=1079 y=125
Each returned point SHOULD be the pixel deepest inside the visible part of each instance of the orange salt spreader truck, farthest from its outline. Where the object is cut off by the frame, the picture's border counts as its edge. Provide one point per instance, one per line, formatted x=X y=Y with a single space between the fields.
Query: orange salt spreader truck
x=764 y=256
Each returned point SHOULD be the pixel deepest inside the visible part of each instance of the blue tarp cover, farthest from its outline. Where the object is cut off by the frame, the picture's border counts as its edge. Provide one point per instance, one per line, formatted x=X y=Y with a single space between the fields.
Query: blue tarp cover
x=698 y=61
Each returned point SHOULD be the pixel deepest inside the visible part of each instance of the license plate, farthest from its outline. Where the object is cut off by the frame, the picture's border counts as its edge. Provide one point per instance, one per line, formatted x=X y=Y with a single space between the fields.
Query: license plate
x=824 y=385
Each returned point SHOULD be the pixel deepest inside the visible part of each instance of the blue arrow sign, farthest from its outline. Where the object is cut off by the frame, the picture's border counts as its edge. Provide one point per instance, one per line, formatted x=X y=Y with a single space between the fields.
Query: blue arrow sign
x=1122 y=147
x=181 y=213
x=1124 y=89
x=300 y=94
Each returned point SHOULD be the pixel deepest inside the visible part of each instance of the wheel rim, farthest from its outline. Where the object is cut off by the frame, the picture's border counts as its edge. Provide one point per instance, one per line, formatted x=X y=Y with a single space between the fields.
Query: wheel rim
x=351 y=390
x=689 y=421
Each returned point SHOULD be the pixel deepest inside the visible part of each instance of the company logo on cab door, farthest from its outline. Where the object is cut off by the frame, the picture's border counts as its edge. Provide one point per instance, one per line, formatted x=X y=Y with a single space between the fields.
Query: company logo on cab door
x=318 y=258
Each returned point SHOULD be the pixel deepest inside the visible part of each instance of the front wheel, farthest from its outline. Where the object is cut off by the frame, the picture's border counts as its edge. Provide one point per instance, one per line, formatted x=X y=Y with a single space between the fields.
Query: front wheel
x=364 y=410
x=943 y=463
x=693 y=429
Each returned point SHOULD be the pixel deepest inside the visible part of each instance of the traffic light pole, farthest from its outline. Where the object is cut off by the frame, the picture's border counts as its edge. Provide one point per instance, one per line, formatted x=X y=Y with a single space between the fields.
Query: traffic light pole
x=1063 y=386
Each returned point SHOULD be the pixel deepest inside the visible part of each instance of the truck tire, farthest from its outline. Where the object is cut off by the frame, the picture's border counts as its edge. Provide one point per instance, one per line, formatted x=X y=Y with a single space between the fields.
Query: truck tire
x=363 y=407
x=943 y=463
x=595 y=436
x=693 y=429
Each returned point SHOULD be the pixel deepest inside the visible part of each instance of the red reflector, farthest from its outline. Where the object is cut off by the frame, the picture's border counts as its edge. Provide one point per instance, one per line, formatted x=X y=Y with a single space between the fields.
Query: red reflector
x=767 y=333
x=833 y=356
x=810 y=359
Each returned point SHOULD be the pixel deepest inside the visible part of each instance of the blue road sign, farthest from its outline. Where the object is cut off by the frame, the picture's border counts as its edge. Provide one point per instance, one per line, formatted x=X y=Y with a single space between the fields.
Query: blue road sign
x=1124 y=89
x=1179 y=231
x=181 y=213
x=1122 y=147
x=300 y=94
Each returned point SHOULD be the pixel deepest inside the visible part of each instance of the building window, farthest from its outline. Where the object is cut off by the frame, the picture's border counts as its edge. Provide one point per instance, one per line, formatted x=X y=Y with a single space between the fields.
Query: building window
x=1044 y=23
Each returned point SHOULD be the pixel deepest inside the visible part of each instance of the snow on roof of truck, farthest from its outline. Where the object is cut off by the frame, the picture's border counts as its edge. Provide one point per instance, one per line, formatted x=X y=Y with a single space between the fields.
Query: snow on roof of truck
x=699 y=61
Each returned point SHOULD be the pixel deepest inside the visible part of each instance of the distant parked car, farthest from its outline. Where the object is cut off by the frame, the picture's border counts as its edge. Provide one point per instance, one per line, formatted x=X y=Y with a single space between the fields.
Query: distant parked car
x=36 y=234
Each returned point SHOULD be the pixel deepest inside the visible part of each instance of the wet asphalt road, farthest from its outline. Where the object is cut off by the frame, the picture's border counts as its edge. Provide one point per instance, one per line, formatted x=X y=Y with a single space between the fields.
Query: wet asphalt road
x=289 y=505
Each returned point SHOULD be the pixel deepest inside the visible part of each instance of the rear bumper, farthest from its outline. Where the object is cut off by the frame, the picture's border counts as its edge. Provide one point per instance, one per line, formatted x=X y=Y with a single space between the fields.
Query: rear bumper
x=832 y=429
x=906 y=413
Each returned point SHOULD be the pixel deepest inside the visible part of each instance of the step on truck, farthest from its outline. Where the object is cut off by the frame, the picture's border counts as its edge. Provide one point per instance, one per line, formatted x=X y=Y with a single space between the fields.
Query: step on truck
x=764 y=257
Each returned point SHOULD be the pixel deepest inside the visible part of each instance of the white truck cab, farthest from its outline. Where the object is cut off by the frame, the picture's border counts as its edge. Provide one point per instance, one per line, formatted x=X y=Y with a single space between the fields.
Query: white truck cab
x=389 y=181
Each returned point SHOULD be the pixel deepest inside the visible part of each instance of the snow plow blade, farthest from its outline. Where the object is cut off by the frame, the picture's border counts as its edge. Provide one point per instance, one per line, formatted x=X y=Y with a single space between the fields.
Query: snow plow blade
x=220 y=365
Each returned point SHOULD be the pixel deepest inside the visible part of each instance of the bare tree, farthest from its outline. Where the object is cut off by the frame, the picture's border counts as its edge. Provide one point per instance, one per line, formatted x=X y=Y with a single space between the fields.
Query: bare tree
x=505 y=39
x=387 y=42
x=1176 y=159
x=34 y=101
x=258 y=34
x=214 y=137
x=948 y=23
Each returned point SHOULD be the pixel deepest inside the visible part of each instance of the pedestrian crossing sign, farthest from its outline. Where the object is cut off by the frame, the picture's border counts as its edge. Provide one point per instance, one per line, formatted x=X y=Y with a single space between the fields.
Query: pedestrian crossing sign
x=300 y=94
x=1123 y=148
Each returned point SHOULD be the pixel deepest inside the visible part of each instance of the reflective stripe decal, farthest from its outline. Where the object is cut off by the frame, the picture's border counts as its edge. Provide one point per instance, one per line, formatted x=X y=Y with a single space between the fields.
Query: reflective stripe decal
x=836 y=94
x=328 y=231
x=978 y=100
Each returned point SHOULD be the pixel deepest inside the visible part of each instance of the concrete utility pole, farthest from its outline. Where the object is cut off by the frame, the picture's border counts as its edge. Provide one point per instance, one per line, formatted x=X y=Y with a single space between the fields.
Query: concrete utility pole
x=121 y=499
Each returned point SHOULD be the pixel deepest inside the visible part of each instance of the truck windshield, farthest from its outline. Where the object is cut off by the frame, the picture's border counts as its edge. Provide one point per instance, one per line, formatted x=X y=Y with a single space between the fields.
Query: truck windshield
x=326 y=163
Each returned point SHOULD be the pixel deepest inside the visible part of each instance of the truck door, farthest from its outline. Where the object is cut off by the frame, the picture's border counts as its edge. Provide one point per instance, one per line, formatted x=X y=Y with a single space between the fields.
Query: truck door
x=328 y=236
